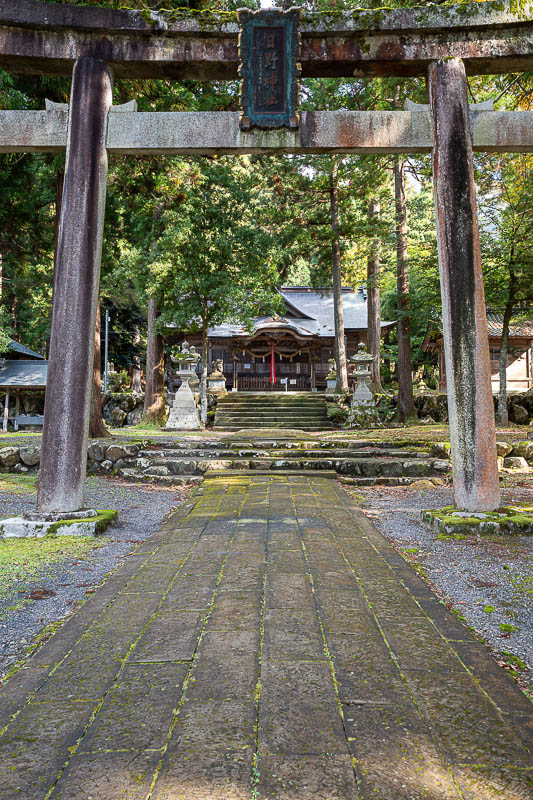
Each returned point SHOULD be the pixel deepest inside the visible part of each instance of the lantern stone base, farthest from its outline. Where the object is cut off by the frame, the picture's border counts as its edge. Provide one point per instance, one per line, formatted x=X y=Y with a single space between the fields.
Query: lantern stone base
x=183 y=414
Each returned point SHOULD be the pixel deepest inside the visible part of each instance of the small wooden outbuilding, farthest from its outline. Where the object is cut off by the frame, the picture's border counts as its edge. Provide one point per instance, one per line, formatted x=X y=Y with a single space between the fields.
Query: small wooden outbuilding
x=23 y=374
x=519 y=358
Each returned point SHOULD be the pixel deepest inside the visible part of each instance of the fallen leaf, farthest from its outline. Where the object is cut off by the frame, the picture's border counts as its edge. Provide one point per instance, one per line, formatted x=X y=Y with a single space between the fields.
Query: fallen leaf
x=40 y=594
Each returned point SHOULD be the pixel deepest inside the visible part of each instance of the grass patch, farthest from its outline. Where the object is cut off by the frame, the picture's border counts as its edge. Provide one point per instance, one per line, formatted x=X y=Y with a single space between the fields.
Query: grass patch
x=18 y=483
x=21 y=560
x=523 y=585
x=513 y=661
x=505 y=627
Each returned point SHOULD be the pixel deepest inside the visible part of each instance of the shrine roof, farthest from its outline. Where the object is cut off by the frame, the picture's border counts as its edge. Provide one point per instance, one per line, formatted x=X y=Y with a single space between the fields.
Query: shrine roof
x=18 y=347
x=18 y=374
x=309 y=312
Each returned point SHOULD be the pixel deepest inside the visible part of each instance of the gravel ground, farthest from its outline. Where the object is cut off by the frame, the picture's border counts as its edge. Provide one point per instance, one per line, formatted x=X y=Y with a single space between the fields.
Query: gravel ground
x=472 y=574
x=141 y=510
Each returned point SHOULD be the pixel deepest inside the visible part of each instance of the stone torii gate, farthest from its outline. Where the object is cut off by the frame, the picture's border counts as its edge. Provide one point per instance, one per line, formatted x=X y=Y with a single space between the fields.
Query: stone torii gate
x=93 y=44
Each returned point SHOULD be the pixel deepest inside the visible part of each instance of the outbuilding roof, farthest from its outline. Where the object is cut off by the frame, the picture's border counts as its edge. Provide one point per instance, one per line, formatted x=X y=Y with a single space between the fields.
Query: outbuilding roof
x=18 y=347
x=309 y=312
x=18 y=374
x=495 y=326
x=522 y=330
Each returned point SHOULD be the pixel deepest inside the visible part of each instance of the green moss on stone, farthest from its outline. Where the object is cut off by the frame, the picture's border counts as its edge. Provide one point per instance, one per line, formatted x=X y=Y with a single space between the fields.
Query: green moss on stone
x=449 y=522
x=103 y=519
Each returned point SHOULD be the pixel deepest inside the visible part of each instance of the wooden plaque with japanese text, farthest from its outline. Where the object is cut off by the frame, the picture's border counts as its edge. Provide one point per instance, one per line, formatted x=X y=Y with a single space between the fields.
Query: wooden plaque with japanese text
x=269 y=51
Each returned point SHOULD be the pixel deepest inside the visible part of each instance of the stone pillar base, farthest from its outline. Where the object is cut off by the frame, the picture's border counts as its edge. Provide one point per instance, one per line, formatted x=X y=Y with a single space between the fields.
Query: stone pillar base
x=85 y=523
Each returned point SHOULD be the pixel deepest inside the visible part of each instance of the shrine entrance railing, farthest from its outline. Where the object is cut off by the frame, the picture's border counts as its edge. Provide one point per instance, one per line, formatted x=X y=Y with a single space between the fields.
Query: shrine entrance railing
x=261 y=383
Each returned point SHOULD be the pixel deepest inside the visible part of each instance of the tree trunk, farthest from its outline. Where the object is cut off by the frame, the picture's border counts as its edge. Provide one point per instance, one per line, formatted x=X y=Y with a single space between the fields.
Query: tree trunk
x=97 y=428
x=406 y=405
x=340 y=349
x=203 y=379
x=60 y=179
x=154 y=397
x=136 y=385
x=502 y=415
x=373 y=298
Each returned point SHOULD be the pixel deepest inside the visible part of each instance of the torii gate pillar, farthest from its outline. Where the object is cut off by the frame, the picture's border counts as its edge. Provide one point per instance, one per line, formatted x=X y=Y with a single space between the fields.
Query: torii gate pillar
x=466 y=347
x=66 y=413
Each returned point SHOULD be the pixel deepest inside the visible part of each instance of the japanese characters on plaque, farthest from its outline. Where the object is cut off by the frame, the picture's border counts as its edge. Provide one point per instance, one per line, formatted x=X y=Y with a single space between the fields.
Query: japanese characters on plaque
x=269 y=50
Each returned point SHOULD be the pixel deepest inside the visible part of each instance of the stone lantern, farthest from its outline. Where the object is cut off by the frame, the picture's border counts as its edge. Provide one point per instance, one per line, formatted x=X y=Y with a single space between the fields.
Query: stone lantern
x=184 y=414
x=363 y=408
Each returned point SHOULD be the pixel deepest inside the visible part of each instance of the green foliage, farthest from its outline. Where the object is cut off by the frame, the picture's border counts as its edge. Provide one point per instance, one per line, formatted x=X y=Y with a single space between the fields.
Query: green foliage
x=200 y=248
x=337 y=414
x=5 y=331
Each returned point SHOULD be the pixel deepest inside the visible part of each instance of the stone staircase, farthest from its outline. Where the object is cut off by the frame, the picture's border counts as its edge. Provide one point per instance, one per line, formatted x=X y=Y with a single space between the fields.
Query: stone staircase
x=304 y=411
x=360 y=463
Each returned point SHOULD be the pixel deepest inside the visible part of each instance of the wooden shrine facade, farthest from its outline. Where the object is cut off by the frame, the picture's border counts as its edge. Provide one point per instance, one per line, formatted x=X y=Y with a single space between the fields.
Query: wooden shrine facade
x=302 y=339
x=443 y=44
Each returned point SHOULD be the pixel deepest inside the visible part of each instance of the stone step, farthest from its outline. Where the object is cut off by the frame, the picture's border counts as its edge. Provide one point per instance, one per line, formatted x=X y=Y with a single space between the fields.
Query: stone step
x=271 y=443
x=264 y=410
x=271 y=407
x=292 y=426
x=214 y=473
x=247 y=452
x=386 y=481
x=347 y=445
x=272 y=411
x=270 y=422
x=368 y=467
x=268 y=408
x=129 y=474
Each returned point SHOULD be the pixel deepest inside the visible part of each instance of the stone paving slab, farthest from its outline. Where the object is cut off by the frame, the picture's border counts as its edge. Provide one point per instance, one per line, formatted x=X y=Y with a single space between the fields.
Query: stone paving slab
x=266 y=644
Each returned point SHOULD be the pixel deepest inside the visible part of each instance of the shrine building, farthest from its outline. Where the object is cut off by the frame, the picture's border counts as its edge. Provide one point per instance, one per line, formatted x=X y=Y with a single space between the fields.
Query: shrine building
x=302 y=339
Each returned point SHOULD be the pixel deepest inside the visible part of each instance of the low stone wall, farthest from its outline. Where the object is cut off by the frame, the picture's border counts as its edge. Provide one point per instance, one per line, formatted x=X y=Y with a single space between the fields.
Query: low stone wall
x=434 y=407
x=122 y=408
x=104 y=458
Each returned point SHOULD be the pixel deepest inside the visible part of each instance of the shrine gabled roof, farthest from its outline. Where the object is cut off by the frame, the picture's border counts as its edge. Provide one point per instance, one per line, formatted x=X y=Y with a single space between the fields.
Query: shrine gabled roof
x=15 y=374
x=309 y=312
x=302 y=327
x=18 y=347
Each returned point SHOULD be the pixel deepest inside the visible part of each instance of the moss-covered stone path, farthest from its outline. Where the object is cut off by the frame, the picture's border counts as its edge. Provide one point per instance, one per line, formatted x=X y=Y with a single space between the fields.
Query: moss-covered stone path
x=266 y=643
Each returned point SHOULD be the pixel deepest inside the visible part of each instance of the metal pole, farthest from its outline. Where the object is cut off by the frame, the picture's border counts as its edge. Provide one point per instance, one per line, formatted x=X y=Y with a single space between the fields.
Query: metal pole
x=106 y=348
